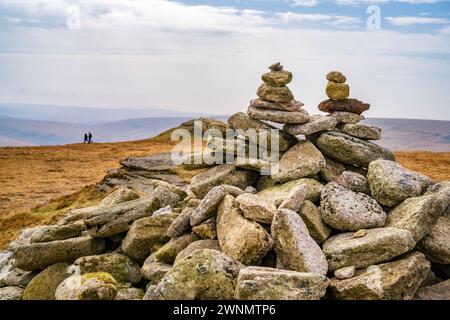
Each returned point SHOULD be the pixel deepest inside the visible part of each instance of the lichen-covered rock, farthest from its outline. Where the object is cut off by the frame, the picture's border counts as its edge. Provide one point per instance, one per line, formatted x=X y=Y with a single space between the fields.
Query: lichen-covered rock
x=343 y=117
x=89 y=286
x=11 y=293
x=436 y=245
x=222 y=174
x=278 y=116
x=259 y=283
x=336 y=76
x=55 y=232
x=390 y=183
x=278 y=193
x=242 y=239
x=277 y=78
x=312 y=217
x=351 y=150
x=295 y=248
x=129 y=294
x=43 y=286
x=207 y=229
x=146 y=234
x=201 y=244
x=203 y=275
x=181 y=224
x=337 y=91
x=347 y=105
x=295 y=198
x=154 y=270
x=317 y=123
x=332 y=170
x=120 y=195
x=419 y=214
x=40 y=255
x=396 y=280
x=168 y=252
x=275 y=94
x=378 y=245
x=361 y=131
x=354 y=181
x=300 y=161
x=344 y=209
x=207 y=207
x=256 y=208
x=121 y=267
x=439 y=291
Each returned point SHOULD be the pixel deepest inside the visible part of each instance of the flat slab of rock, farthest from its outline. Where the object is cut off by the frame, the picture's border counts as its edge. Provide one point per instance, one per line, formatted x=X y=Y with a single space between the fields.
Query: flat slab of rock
x=40 y=255
x=242 y=239
x=293 y=105
x=55 y=232
x=207 y=207
x=317 y=123
x=343 y=117
x=397 y=280
x=259 y=283
x=300 y=161
x=361 y=131
x=378 y=245
x=146 y=234
x=347 y=105
x=278 y=116
x=256 y=208
x=419 y=214
x=346 y=210
x=278 y=193
x=205 y=275
x=390 y=183
x=436 y=245
x=351 y=150
x=312 y=217
x=439 y=291
x=295 y=248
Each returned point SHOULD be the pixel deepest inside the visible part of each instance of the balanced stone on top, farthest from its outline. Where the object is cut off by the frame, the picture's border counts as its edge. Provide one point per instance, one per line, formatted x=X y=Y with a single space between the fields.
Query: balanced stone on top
x=336 y=88
x=276 y=66
x=336 y=76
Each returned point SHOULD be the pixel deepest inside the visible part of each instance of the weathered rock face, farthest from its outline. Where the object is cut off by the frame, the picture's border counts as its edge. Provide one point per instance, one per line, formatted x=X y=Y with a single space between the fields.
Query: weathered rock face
x=419 y=214
x=43 y=286
x=204 y=274
x=168 y=252
x=295 y=198
x=345 y=273
x=312 y=217
x=317 y=123
x=201 y=244
x=259 y=283
x=295 y=249
x=15 y=277
x=275 y=94
x=344 y=209
x=121 y=267
x=146 y=234
x=390 y=183
x=278 y=116
x=181 y=224
x=332 y=170
x=343 y=117
x=347 y=105
x=207 y=207
x=120 y=195
x=293 y=105
x=436 y=245
x=300 y=161
x=40 y=255
x=378 y=245
x=154 y=270
x=351 y=150
x=439 y=291
x=397 y=280
x=256 y=208
x=223 y=174
x=90 y=286
x=242 y=239
x=207 y=229
x=129 y=294
x=52 y=233
x=278 y=193
x=11 y=293
x=361 y=131
x=354 y=181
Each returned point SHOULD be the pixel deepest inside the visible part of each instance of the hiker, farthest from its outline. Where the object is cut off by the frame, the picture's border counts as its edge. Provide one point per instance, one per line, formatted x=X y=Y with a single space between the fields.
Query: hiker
x=90 y=137
x=85 y=138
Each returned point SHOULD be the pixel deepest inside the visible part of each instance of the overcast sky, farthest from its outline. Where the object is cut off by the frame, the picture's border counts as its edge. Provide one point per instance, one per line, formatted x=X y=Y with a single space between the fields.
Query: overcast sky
x=208 y=56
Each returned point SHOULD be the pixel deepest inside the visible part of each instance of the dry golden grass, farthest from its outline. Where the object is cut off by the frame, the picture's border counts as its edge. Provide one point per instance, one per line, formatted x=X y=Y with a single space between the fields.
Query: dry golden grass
x=40 y=184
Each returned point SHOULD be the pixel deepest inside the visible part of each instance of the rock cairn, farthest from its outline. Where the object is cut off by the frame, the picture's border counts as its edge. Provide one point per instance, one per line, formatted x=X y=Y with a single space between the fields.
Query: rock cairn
x=340 y=219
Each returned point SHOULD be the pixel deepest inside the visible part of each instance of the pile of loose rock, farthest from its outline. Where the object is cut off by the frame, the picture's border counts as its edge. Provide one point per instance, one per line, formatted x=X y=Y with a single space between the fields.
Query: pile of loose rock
x=340 y=219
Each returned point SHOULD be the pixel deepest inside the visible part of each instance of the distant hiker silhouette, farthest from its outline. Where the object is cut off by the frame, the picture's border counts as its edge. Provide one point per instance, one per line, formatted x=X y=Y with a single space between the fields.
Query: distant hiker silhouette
x=90 y=137
x=85 y=138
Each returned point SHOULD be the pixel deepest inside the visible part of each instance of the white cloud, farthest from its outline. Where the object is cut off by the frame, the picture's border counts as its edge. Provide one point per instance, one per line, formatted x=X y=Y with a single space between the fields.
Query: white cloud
x=408 y=21
x=305 y=3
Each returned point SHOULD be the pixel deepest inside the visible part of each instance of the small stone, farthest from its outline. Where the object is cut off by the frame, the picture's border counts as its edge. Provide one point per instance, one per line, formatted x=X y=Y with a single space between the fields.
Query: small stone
x=15 y=277
x=154 y=270
x=345 y=273
x=166 y=197
x=347 y=105
x=278 y=116
x=200 y=244
x=129 y=294
x=390 y=183
x=346 y=210
x=181 y=224
x=343 y=117
x=317 y=123
x=361 y=131
x=360 y=233
x=207 y=207
x=43 y=286
x=250 y=189
x=295 y=249
x=52 y=233
x=312 y=217
x=207 y=229
x=89 y=286
x=379 y=245
x=259 y=283
x=332 y=170
x=294 y=200
x=256 y=208
x=354 y=181
x=336 y=76
x=11 y=293
x=293 y=105
x=300 y=161
x=277 y=78
x=337 y=91
x=168 y=252
x=275 y=94
x=122 y=194
x=276 y=66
